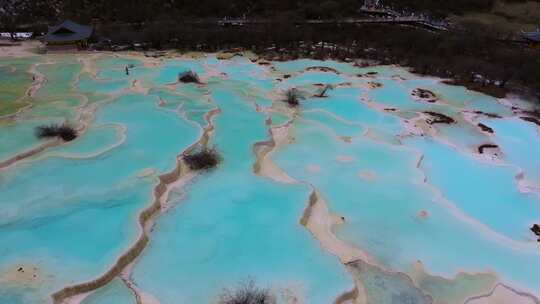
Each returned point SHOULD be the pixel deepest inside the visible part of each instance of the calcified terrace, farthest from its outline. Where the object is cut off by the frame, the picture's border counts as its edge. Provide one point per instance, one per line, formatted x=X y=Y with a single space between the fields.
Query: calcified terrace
x=378 y=177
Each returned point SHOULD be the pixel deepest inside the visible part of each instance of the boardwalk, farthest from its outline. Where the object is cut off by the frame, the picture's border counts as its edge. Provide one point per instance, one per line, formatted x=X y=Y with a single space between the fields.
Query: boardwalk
x=411 y=20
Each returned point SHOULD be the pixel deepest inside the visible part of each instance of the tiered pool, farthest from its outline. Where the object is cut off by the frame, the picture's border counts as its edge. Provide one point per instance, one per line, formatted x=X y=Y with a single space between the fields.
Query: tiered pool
x=374 y=192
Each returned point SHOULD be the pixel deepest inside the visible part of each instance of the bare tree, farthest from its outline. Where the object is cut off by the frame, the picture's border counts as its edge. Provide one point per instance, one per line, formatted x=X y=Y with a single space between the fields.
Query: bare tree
x=324 y=90
x=292 y=97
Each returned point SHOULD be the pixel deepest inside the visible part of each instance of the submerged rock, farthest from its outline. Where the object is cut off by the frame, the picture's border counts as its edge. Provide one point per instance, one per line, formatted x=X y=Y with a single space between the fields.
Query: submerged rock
x=456 y=289
x=534 y=113
x=374 y=85
x=346 y=139
x=490 y=115
x=424 y=95
x=486 y=146
x=485 y=128
x=322 y=69
x=536 y=230
x=385 y=287
x=439 y=118
x=368 y=74
x=422 y=214
x=531 y=119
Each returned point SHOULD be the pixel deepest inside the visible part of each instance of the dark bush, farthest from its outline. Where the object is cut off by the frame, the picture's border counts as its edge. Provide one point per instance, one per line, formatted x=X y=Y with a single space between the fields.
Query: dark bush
x=291 y=97
x=247 y=293
x=46 y=131
x=202 y=160
x=65 y=132
x=188 y=77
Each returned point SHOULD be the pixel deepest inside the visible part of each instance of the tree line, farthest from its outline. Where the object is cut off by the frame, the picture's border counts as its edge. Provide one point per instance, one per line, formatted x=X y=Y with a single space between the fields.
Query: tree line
x=460 y=56
x=28 y=11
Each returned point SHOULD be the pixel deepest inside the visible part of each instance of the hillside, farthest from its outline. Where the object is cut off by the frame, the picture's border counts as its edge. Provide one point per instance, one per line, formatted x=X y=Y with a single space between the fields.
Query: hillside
x=505 y=16
x=488 y=11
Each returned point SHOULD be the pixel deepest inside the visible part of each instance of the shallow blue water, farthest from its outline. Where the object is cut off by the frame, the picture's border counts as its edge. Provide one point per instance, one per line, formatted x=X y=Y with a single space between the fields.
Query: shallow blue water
x=53 y=213
x=382 y=211
x=114 y=293
x=71 y=210
x=233 y=225
x=520 y=142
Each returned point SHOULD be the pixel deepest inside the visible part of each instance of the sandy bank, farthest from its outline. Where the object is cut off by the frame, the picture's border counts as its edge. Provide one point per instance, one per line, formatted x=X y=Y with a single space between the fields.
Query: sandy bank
x=23 y=49
x=263 y=151
x=504 y=294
